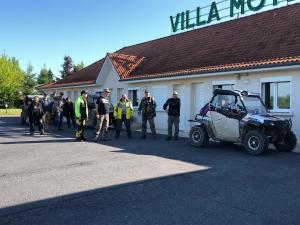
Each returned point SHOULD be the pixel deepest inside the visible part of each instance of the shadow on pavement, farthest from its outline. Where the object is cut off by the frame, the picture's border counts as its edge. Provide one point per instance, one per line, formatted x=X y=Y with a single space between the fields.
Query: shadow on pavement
x=235 y=189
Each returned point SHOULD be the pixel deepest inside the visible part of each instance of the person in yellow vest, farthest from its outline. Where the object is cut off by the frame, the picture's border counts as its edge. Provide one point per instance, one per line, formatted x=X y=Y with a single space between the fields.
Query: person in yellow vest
x=123 y=112
x=81 y=113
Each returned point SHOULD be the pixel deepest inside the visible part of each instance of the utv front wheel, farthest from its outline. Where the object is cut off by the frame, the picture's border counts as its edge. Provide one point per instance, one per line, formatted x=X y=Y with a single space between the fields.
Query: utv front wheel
x=198 y=136
x=256 y=142
x=289 y=143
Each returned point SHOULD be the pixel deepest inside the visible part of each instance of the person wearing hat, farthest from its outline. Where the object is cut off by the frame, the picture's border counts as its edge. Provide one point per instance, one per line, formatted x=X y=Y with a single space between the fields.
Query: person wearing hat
x=123 y=113
x=102 y=114
x=172 y=107
x=147 y=109
x=81 y=113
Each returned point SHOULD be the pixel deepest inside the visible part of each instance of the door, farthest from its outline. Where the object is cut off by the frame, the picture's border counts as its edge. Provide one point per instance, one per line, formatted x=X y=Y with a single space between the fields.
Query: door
x=197 y=98
x=225 y=126
x=180 y=89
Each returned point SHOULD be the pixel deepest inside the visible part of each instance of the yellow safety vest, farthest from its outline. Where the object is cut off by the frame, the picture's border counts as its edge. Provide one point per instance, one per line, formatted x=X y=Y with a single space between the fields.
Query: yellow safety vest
x=118 y=110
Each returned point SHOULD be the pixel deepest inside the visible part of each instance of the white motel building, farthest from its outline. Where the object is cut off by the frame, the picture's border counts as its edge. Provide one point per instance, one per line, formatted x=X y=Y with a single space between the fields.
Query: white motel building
x=258 y=53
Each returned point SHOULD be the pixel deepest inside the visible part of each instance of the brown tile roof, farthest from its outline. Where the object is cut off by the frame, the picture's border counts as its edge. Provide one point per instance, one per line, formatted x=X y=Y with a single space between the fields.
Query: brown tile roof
x=267 y=39
x=86 y=76
x=125 y=64
x=263 y=40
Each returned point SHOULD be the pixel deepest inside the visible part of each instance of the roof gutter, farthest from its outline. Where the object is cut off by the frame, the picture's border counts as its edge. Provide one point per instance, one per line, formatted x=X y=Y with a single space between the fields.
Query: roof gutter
x=213 y=74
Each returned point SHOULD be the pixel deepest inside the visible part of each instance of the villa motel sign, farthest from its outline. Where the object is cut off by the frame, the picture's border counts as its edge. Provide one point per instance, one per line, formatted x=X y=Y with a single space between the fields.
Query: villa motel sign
x=184 y=19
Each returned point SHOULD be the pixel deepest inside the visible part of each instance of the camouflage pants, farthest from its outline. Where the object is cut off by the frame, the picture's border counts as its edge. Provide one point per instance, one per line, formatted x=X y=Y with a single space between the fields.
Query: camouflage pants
x=80 y=128
x=144 y=126
x=46 y=120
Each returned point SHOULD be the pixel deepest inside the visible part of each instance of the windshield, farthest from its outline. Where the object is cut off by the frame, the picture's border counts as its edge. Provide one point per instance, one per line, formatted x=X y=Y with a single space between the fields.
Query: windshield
x=254 y=105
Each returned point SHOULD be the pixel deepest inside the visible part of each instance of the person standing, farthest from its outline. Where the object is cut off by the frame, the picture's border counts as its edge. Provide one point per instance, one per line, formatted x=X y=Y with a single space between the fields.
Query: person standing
x=69 y=112
x=47 y=108
x=59 y=102
x=81 y=113
x=102 y=114
x=123 y=113
x=147 y=109
x=172 y=106
x=35 y=113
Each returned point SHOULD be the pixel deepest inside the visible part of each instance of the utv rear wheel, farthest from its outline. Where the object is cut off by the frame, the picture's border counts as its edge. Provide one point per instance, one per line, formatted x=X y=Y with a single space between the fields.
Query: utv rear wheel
x=289 y=143
x=198 y=136
x=256 y=142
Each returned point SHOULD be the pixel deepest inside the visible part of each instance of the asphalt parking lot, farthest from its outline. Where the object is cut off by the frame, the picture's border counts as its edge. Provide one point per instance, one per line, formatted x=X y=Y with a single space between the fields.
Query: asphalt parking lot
x=53 y=180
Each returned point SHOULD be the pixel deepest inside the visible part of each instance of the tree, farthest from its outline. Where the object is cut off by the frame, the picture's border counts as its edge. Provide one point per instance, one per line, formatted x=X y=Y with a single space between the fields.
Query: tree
x=43 y=77
x=11 y=80
x=68 y=67
x=50 y=75
x=29 y=81
x=78 y=66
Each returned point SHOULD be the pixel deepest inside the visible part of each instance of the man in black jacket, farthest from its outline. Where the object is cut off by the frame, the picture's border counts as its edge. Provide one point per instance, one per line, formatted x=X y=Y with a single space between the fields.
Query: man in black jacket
x=172 y=106
x=69 y=112
x=35 y=113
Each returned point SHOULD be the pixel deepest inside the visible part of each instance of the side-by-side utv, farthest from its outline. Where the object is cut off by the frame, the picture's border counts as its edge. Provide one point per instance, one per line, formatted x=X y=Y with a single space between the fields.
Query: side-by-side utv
x=241 y=117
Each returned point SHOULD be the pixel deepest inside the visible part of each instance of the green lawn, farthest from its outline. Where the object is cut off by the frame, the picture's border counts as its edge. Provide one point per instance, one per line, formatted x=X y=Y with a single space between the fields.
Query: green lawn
x=10 y=112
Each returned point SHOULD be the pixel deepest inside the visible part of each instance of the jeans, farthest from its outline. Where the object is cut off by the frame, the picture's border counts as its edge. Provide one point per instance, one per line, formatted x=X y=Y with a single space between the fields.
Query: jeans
x=102 y=126
x=72 y=118
x=173 y=120
x=58 y=117
x=33 y=121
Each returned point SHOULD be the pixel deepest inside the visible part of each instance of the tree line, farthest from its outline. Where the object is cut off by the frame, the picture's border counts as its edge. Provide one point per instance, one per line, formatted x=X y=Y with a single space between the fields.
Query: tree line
x=15 y=83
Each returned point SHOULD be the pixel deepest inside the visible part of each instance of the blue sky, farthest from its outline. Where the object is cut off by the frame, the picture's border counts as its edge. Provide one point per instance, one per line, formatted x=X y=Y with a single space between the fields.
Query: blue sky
x=44 y=31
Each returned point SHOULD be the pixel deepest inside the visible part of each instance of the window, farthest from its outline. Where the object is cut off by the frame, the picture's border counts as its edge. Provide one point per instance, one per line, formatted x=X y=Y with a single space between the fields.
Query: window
x=224 y=87
x=133 y=96
x=277 y=95
x=225 y=84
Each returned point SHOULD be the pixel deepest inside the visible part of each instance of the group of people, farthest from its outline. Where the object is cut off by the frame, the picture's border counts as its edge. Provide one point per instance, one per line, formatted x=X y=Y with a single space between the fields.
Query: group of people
x=41 y=111
x=123 y=113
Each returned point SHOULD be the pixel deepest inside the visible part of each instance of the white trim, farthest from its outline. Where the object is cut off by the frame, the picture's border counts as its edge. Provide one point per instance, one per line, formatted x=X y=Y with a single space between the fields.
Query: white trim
x=224 y=82
x=214 y=74
x=67 y=87
x=278 y=79
x=133 y=88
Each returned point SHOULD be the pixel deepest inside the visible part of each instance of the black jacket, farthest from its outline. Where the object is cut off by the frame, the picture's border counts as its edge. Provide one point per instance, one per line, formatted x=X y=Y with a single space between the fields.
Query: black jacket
x=174 y=106
x=69 y=109
x=103 y=105
x=35 y=110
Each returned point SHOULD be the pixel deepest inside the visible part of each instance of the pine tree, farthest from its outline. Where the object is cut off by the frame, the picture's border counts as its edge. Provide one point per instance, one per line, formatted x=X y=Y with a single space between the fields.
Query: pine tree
x=29 y=81
x=78 y=66
x=50 y=75
x=43 y=77
x=68 y=67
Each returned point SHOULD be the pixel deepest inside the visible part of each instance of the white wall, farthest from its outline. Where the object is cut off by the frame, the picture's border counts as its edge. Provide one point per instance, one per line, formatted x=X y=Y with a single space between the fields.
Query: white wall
x=249 y=82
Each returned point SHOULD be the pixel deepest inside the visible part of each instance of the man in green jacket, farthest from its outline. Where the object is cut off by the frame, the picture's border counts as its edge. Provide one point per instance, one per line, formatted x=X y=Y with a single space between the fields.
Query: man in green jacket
x=81 y=113
x=123 y=112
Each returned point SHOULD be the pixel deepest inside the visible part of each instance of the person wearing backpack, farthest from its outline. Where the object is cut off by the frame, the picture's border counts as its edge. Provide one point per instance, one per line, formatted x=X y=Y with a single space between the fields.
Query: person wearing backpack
x=35 y=113
x=123 y=113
